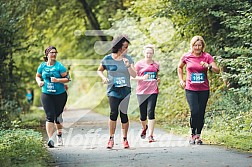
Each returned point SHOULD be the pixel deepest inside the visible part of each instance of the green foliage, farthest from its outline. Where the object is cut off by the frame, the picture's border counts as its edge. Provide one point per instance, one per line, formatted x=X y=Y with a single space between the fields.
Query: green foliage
x=19 y=147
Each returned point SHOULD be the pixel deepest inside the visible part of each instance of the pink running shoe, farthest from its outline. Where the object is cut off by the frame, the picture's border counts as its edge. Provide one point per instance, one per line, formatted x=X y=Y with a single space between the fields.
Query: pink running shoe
x=110 y=143
x=143 y=134
x=193 y=139
x=125 y=144
x=151 y=139
x=198 y=140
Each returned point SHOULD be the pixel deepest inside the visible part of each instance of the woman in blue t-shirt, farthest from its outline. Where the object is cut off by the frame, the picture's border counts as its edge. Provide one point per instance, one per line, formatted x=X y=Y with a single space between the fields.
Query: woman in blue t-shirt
x=120 y=67
x=51 y=76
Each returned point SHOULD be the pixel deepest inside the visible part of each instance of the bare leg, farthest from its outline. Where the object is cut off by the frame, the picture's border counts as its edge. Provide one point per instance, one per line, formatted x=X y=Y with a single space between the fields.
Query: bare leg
x=112 y=127
x=125 y=127
x=59 y=128
x=49 y=129
x=151 y=124
x=144 y=124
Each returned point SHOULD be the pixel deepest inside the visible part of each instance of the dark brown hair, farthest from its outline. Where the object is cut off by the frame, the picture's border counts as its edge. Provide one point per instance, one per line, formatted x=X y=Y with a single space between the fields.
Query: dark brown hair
x=48 y=49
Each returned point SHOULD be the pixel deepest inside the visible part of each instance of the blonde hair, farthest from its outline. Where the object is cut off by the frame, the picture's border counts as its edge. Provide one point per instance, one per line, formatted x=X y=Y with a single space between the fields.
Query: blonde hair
x=150 y=46
x=194 y=40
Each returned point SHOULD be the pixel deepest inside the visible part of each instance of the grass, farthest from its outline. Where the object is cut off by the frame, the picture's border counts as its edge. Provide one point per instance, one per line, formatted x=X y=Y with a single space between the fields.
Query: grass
x=22 y=145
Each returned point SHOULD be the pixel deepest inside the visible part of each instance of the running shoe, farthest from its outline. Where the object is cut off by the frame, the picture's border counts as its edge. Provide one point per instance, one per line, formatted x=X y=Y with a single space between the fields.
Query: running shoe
x=125 y=144
x=50 y=143
x=143 y=134
x=59 y=140
x=193 y=138
x=110 y=143
x=151 y=139
x=198 y=140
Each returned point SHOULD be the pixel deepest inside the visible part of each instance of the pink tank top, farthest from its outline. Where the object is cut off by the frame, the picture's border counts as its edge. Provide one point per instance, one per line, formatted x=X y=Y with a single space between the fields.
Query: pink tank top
x=196 y=75
x=150 y=85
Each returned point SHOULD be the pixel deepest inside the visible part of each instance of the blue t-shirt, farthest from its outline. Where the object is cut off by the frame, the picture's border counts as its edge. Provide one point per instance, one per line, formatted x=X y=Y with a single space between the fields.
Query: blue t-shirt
x=118 y=75
x=51 y=71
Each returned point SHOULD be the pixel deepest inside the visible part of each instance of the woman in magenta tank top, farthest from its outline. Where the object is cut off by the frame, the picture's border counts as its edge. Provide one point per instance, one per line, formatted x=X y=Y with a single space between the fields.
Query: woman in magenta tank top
x=147 y=90
x=197 y=63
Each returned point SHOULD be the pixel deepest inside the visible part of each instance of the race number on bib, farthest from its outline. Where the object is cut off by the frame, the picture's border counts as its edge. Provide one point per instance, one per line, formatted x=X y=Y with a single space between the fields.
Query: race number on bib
x=197 y=78
x=152 y=76
x=120 y=81
x=50 y=87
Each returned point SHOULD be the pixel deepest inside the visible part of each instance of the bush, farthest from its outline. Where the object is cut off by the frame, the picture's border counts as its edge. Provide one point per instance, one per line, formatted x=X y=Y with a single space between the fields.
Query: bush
x=20 y=146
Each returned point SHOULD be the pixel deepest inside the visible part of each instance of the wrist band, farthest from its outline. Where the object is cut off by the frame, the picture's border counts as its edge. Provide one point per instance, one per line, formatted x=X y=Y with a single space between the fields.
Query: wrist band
x=127 y=66
x=210 y=67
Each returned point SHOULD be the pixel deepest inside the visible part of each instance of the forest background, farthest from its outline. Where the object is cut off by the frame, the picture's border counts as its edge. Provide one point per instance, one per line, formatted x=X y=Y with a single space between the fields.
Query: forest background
x=29 y=26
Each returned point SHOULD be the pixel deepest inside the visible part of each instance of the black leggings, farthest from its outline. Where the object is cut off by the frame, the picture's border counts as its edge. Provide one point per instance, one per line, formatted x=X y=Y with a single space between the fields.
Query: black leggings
x=54 y=106
x=197 y=101
x=147 y=104
x=117 y=105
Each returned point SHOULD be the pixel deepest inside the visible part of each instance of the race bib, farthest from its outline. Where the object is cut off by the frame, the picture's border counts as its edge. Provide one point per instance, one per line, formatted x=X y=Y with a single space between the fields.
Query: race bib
x=152 y=76
x=120 y=81
x=50 y=87
x=197 y=78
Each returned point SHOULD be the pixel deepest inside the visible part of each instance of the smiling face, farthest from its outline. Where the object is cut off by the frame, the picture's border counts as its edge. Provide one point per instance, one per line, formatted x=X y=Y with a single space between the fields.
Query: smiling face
x=197 y=47
x=52 y=55
x=124 y=48
x=148 y=53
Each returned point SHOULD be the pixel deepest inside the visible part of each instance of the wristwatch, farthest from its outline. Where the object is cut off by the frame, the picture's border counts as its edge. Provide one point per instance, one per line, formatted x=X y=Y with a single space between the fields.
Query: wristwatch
x=209 y=67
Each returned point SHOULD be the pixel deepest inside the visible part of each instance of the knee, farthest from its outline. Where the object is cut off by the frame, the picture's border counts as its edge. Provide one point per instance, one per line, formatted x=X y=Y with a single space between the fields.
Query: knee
x=59 y=119
x=113 y=116
x=50 y=119
x=124 y=118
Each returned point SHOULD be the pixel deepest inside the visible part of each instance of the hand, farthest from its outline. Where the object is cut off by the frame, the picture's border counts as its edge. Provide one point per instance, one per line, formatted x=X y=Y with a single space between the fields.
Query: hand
x=126 y=62
x=146 y=76
x=182 y=84
x=53 y=79
x=105 y=80
x=40 y=83
x=204 y=64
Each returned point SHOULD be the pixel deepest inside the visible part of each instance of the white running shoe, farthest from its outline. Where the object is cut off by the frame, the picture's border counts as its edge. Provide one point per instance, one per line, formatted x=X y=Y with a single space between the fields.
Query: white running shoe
x=59 y=140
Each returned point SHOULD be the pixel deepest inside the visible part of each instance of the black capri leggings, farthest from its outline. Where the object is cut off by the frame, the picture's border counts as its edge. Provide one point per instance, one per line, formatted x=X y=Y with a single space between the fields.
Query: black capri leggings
x=147 y=104
x=54 y=106
x=117 y=105
x=197 y=101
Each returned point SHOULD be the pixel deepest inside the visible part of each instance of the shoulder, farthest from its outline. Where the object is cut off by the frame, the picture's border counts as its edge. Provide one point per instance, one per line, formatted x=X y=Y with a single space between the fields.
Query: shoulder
x=129 y=57
x=140 y=61
x=207 y=55
x=156 y=63
x=59 y=64
x=185 y=56
x=188 y=54
x=107 y=57
x=42 y=65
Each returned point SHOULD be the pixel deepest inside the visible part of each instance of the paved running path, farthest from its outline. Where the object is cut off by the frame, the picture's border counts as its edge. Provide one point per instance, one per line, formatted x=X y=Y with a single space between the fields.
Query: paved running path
x=85 y=140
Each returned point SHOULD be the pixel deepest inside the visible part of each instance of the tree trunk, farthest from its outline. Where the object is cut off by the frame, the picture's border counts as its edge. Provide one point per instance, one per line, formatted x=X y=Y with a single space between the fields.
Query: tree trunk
x=93 y=20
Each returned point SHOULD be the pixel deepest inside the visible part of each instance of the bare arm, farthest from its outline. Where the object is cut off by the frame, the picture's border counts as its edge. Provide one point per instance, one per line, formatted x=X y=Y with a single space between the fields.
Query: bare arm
x=61 y=80
x=100 y=70
x=180 y=73
x=130 y=67
x=212 y=66
x=39 y=80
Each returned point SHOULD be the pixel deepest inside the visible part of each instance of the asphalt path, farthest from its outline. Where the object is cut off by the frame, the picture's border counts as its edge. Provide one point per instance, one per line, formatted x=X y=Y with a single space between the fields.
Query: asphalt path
x=85 y=137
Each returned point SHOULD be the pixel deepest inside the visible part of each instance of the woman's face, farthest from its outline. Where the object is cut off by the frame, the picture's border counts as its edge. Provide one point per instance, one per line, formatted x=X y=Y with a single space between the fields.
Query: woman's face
x=124 y=48
x=197 y=47
x=52 y=54
x=148 y=53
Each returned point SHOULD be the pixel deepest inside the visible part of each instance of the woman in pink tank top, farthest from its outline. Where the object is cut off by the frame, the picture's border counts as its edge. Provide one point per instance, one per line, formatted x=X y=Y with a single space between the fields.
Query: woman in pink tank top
x=147 y=90
x=198 y=63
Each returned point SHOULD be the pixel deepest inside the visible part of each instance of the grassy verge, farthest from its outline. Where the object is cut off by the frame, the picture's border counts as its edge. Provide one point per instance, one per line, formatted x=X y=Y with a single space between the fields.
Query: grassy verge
x=21 y=146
